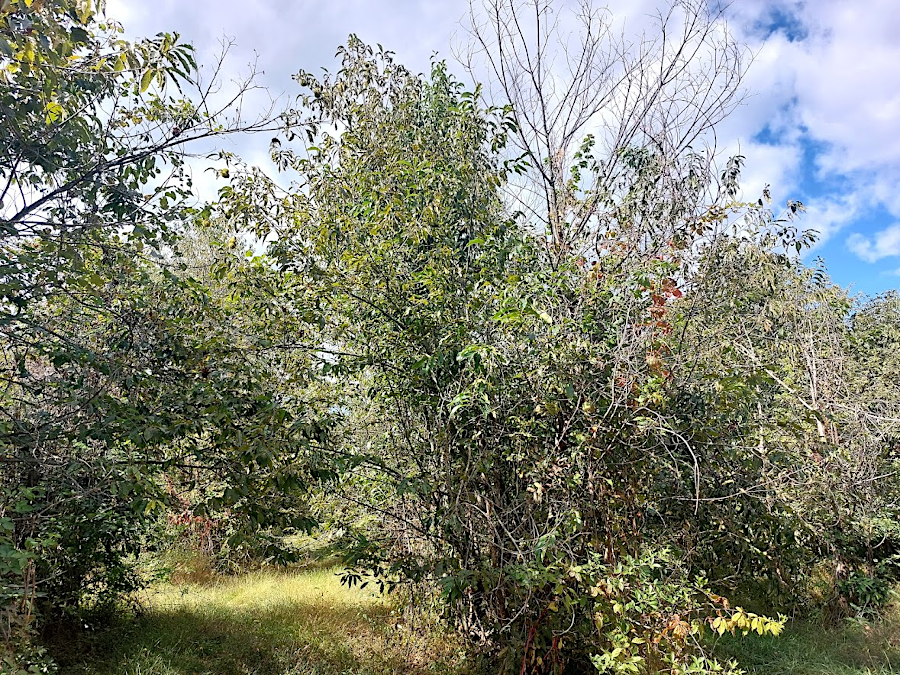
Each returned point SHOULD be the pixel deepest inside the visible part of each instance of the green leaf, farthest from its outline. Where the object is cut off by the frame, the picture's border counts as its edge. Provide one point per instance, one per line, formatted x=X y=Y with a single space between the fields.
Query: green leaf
x=80 y=35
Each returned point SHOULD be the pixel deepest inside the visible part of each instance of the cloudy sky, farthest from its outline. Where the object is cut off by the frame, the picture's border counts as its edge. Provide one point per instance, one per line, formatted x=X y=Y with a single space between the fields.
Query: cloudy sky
x=822 y=123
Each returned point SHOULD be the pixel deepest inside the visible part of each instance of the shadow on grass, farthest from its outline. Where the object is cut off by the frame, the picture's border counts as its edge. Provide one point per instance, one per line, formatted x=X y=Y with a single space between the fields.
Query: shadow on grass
x=809 y=649
x=282 y=638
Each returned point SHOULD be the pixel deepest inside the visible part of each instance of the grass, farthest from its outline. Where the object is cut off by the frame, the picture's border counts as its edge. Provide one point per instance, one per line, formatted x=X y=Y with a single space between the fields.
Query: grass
x=264 y=623
x=305 y=623
x=809 y=649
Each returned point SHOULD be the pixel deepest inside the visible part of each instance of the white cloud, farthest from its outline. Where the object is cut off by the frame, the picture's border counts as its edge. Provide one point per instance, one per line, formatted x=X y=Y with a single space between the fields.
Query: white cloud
x=829 y=216
x=883 y=244
x=849 y=86
x=288 y=36
x=825 y=72
x=774 y=165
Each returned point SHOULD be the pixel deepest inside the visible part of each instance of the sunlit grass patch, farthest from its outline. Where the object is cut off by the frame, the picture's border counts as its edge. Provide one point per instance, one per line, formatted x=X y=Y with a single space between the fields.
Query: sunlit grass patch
x=268 y=623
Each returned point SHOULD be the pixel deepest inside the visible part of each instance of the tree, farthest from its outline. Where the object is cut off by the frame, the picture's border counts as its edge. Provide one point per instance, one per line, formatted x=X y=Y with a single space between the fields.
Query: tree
x=509 y=420
x=618 y=134
x=121 y=362
x=803 y=490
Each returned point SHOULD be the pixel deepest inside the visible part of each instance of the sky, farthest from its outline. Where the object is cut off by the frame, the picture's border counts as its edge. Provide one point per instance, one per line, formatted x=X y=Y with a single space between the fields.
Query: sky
x=820 y=124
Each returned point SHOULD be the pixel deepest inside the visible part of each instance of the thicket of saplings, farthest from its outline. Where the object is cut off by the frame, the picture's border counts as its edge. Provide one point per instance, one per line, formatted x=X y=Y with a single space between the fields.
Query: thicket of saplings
x=524 y=353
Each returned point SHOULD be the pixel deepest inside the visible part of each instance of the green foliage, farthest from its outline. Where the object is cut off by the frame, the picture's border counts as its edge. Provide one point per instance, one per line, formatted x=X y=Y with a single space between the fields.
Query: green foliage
x=866 y=595
x=126 y=361
x=26 y=660
x=168 y=393
x=808 y=481
x=82 y=138
x=508 y=427
x=510 y=416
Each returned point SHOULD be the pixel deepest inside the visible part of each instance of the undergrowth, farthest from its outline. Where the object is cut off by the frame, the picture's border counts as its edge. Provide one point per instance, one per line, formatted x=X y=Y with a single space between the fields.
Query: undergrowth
x=305 y=622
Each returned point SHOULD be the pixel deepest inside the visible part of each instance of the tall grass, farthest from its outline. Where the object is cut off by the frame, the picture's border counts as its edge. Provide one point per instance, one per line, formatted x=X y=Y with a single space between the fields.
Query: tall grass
x=265 y=623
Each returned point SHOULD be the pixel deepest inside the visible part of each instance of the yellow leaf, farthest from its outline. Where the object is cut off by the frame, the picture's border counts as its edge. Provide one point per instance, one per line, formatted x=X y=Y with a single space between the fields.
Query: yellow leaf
x=54 y=111
x=145 y=79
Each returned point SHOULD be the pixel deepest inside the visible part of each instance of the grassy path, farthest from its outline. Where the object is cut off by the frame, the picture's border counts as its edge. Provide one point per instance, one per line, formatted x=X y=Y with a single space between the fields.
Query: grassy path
x=265 y=624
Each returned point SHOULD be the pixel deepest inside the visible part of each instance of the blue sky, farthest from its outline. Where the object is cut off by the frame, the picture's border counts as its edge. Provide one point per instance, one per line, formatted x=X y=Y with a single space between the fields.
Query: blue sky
x=821 y=124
